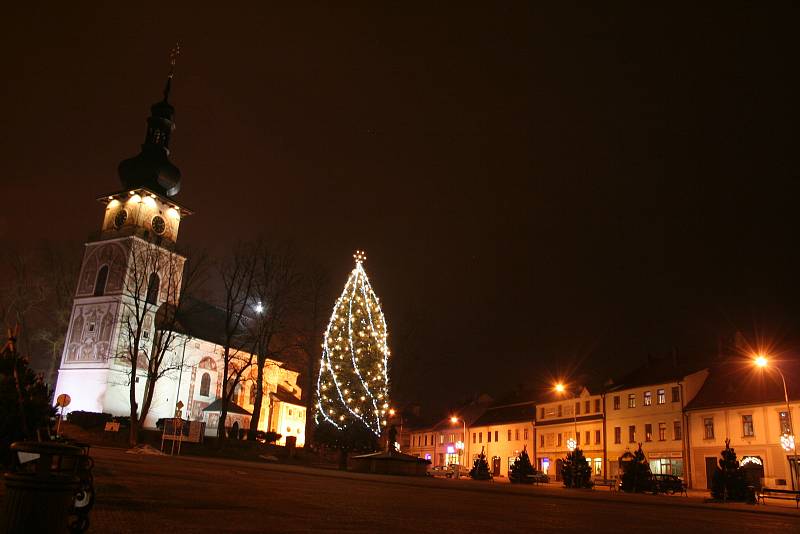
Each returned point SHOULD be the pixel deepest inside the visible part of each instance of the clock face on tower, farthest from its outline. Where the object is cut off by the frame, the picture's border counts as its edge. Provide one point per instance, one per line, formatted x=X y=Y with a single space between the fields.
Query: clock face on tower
x=120 y=219
x=158 y=224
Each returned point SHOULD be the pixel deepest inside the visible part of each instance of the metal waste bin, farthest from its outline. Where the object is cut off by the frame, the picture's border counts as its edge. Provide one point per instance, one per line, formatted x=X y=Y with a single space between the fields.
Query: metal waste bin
x=41 y=488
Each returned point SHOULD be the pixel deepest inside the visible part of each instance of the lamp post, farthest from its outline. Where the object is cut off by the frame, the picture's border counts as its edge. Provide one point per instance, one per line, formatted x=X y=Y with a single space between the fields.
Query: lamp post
x=455 y=420
x=560 y=388
x=763 y=362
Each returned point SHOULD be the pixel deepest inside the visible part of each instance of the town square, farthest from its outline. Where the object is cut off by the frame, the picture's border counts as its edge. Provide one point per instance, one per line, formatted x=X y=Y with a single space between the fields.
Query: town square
x=375 y=267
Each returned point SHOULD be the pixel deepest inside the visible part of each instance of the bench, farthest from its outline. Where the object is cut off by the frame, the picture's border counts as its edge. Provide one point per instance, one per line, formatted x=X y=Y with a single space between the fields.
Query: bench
x=611 y=483
x=786 y=495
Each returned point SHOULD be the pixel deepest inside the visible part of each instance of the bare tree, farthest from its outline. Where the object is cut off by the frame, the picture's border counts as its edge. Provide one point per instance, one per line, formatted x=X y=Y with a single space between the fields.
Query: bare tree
x=237 y=273
x=151 y=307
x=275 y=293
x=315 y=288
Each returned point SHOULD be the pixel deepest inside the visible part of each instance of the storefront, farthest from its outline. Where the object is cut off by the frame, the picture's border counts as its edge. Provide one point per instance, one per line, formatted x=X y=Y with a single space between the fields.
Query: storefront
x=667 y=464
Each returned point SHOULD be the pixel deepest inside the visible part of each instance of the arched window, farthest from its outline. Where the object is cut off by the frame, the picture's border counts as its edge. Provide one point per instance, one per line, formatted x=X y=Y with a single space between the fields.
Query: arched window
x=205 y=384
x=253 y=394
x=100 y=282
x=152 y=288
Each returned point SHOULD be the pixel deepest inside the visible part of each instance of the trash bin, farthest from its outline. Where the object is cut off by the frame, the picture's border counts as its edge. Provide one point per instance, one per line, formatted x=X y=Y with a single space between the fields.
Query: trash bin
x=41 y=488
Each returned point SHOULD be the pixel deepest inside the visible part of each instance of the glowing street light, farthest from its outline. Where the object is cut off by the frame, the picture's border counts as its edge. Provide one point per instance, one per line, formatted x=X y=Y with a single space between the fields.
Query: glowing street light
x=788 y=441
x=462 y=450
x=560 y=388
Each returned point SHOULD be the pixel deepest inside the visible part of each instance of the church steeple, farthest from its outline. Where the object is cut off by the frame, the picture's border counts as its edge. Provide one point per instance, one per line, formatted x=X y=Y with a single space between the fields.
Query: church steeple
x=151 y=168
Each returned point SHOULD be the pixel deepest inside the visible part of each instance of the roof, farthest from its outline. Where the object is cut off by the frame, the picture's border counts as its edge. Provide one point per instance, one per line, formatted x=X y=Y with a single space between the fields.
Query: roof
x=284 y=396
x=514 y=413
x=205 y=321
x=656 y=371
x=216 y=406
x=738 y=382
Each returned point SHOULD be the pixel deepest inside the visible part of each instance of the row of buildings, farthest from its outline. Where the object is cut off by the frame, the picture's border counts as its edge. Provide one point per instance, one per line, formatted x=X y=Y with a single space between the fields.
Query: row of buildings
x=681 y=415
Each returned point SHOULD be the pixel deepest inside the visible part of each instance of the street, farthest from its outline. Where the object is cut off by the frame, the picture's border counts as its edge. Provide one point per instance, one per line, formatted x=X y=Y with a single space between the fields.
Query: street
x=139 y=493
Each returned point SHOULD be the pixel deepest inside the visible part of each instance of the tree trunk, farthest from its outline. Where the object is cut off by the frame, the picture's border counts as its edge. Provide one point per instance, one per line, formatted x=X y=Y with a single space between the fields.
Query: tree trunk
x=133 y=438
x=251 y=435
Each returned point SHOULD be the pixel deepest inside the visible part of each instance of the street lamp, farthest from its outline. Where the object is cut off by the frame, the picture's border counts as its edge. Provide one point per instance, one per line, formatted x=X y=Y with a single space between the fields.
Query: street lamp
x=762 y=362
x=463 y=451
x=560 y=388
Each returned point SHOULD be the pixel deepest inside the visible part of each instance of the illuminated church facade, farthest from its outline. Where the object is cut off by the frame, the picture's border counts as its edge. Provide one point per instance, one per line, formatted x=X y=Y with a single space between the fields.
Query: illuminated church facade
x=95 y=370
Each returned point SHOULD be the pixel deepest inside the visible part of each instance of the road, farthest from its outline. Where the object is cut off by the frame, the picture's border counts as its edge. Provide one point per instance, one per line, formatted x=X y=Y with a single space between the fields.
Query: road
x=138 y=493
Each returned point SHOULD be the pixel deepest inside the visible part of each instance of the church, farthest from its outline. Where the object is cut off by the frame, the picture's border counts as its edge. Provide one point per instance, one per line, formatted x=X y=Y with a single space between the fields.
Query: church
x=95 y=370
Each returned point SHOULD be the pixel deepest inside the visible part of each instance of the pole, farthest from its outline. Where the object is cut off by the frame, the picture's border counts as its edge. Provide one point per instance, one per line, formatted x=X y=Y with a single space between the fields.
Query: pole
x=180 y=375
x=795 y=467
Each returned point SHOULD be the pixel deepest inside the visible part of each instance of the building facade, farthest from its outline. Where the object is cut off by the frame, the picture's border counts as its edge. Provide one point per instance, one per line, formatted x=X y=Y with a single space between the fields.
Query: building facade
x=563 y=424
x=649 y=409
x=502 y=433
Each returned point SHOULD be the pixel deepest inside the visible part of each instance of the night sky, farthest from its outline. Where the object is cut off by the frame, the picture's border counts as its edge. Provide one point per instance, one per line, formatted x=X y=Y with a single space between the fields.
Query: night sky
x=535 y=188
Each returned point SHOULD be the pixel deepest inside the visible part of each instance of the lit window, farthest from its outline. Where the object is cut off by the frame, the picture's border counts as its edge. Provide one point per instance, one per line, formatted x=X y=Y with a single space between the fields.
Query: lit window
x=632 y=400
x=648 y=398
x=648 y=432
x=708 y=428
x=747 y=426
x=661 y=396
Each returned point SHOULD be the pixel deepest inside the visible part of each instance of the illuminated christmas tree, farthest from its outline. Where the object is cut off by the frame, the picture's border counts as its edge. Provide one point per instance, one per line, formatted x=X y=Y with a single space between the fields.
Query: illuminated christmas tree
x=353 y=383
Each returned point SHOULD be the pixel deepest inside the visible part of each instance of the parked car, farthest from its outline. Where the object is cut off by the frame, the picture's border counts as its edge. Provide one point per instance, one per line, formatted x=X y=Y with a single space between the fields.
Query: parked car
x=539 y=477
x=667 y=484
x=448 y=471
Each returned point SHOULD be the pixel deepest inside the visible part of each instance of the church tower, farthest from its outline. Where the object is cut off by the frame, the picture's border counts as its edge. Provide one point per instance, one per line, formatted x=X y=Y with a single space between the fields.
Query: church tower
x=130 y=269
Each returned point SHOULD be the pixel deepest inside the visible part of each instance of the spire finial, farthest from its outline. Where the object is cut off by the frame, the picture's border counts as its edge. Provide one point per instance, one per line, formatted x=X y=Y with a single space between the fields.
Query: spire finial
x=173 y=56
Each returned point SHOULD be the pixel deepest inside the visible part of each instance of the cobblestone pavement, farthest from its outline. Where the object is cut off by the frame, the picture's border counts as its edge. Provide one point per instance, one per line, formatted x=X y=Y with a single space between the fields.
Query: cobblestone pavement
x=168 y=494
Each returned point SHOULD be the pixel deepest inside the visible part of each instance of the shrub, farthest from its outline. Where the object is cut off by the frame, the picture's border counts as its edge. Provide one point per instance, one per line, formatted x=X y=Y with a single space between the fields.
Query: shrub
x=576 y=471
x=267 y=437
x=521 y=470
x=729 y=482
x=88 y=420
x=636 y=476
x=480 y=468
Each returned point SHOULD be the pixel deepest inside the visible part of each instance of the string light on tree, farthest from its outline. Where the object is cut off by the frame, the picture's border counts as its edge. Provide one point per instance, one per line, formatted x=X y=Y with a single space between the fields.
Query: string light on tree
x=353 y=382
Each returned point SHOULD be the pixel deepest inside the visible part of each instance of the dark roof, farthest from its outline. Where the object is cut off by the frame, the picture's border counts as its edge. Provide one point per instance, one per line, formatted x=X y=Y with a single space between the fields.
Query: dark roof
x=284 y=396
x=524 y=412
x=737 y=382
x=205 y=321
x=655 y=371
x=216 y=406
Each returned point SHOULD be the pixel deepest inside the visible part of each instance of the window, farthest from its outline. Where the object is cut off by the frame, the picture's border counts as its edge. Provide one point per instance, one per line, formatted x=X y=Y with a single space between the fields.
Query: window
x=559 y=439
x=205 y=384
x=146 y=334
x=662 y=431
x=783 y=418
x=577 y=438
x=632 y=400
x=616 y=402
x=676 y=430
x=495 y=436
x=91 y=327
x=290 y=411
x=525 y=432
x=480 y=437
x=489 y=437
x=474 y=437
x=426 y=440
x=632 y=434
x=648 y=432
x=661 y=396
x=597 y=437
x=617 y=434
x=441 y=439
x=100 y=281
x=648 y=398
x=152 y=288
x=516 y=434
x=253 y=396
x=597 y=405
x=559 y=410
x=541 y=416
x=587 y=406
x=541 y=440
x=509 y=434
x=676 y=394
x=577 y=408
x=747 y=426
x=708 y=428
